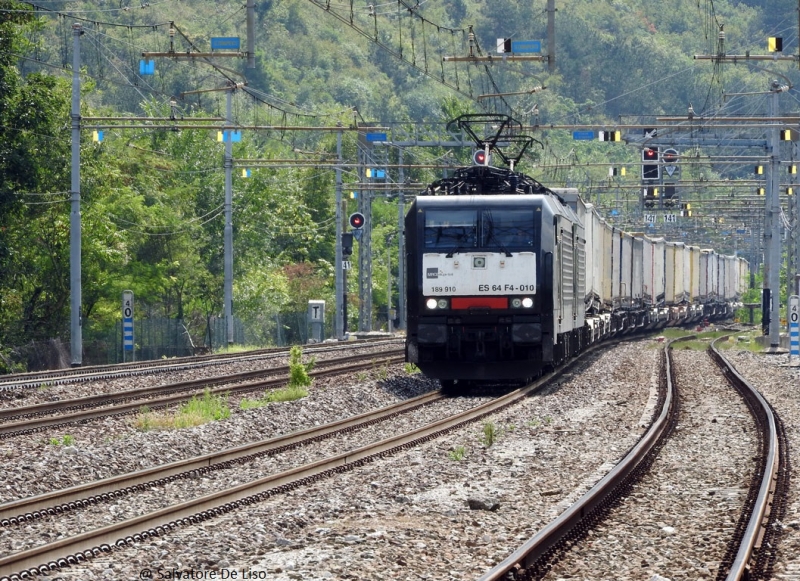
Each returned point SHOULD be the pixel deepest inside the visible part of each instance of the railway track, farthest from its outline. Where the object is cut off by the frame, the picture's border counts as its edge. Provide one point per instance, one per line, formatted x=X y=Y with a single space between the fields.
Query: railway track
x=16 y=382
x=77 y=548
x=277 y=483
x=750 y=552
x=29 y=419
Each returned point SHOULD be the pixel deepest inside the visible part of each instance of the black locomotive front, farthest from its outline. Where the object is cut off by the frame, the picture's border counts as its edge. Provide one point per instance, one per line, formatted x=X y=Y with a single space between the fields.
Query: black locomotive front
x=479 y=286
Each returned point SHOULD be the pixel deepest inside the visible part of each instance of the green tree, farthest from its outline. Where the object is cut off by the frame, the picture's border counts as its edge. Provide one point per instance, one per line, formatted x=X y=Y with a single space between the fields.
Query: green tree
x=34 y=215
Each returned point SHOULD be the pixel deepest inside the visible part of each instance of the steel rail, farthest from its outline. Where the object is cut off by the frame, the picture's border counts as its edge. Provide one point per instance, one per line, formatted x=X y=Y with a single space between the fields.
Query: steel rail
x=59 y=501
x=33 y=424
x=128 y=394
x=750 y=544
x=576 y=515
x=89 y=373
x=72 y=550
x=545 y=541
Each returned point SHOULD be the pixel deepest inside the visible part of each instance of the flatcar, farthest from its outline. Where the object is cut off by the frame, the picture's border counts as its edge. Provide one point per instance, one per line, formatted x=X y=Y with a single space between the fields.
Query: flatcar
x=506 y=277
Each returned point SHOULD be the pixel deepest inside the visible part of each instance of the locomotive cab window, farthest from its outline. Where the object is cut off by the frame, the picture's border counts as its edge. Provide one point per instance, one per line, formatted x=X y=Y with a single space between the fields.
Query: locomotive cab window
x=507 y=229
x=451 y=229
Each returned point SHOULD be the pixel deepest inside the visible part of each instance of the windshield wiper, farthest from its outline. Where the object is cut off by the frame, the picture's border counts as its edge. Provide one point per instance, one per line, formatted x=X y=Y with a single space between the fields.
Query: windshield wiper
x=455 y=250
x=500 y=246
x=491 y=237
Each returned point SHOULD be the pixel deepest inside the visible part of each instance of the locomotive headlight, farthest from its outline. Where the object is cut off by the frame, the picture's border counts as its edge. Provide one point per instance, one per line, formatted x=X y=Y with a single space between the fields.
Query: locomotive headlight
x=442 y=303
x=527 y=302
x=431 y=303
x=516 y=303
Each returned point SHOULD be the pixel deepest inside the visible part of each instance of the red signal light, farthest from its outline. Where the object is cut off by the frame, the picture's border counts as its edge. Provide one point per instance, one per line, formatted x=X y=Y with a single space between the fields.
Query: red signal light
x=357 y=220
x=649 y=154
x=479 y=157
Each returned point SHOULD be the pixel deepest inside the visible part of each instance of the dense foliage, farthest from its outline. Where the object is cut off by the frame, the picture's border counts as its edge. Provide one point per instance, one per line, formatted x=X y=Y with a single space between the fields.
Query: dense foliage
x=152 y=199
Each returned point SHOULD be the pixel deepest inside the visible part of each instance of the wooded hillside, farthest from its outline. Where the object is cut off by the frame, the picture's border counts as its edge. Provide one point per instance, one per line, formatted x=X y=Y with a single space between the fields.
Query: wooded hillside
x=152 y=198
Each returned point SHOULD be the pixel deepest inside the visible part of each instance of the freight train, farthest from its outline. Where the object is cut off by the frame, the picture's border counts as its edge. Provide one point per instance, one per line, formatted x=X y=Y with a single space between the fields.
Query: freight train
x=506 y=278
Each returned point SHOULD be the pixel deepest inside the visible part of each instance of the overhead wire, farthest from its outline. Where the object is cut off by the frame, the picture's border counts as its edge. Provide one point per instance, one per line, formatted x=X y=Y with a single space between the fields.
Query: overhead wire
x=201 y=221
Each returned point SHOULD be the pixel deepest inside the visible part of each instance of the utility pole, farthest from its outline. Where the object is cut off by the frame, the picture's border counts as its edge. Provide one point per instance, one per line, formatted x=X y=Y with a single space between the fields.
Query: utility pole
x=365 y=243
x=76 y=334
x=339 y=321
x=773 y=211
x=228 y=236
x=551 y=35
x=791 y=245
x=388 y=288
x=227 y=263
x=793 y=238
x=401 y=246
x=251 y=34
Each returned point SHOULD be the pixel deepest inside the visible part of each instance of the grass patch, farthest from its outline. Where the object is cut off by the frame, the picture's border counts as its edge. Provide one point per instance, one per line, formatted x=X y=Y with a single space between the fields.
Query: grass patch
x=705 y=338
x=383 y=373
x=298 y=371
x=411 y=369
x=299 y=380
x=690 y=345
x=66 y=440
x=675 y=333
x=536 y=422
x=712 y=334
x=491 y=433
x=288 y=393
x=195 y=412
x=457 y=454
x=234 y=348
x=748 y=343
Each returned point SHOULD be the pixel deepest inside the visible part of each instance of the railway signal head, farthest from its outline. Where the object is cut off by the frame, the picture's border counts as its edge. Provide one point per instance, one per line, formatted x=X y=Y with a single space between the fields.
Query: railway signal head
x=347 y=243
x=357 y=220
x=651 y=169
x=670 y=156
x=479 y=157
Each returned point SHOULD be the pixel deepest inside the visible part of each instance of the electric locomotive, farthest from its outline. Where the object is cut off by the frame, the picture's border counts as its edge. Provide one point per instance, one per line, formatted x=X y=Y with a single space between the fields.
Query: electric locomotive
x=495 y=277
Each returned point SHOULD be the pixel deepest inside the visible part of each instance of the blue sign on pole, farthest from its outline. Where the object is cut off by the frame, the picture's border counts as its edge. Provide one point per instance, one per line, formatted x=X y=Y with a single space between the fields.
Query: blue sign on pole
x=147 y=67
x=225 y=43
x=526 y=46
x=376 y=137
x=127 y=320
x=583 y=135
x=232 y=136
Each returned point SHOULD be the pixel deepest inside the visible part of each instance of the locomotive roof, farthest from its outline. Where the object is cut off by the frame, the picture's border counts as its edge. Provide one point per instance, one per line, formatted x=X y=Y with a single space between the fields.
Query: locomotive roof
x=471 y=200
x=486 y=180
x=546 y=198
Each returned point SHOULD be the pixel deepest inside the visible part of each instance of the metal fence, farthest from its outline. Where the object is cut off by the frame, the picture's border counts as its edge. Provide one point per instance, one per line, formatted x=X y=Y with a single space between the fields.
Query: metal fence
x=156 y=338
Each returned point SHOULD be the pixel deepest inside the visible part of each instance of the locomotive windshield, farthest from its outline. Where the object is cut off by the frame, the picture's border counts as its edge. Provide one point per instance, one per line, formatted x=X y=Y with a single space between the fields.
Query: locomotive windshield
x=485 y=229
x=451 y=229
x=507 y=228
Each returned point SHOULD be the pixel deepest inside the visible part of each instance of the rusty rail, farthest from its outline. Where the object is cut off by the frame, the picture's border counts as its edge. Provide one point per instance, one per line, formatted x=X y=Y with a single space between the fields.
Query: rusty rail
x=524 y=563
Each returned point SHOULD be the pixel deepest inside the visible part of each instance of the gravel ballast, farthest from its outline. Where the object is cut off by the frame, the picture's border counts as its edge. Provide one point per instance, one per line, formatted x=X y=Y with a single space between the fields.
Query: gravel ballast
x=447 y=509
x=427 y=513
